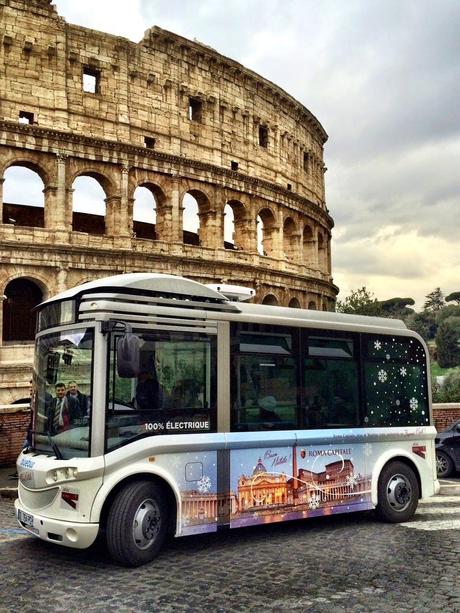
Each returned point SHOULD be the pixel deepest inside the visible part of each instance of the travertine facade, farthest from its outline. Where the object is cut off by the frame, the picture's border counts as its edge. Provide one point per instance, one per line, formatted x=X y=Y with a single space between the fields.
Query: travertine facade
x=176 y=117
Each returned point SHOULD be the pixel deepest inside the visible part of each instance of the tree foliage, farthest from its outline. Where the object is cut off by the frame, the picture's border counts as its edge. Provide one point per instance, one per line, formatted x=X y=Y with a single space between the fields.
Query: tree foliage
x=397 y=307
x=423 y=323
x=360 y=302
x=451 y=310
x=453 y=297
x=434 y=300
x=447 y=342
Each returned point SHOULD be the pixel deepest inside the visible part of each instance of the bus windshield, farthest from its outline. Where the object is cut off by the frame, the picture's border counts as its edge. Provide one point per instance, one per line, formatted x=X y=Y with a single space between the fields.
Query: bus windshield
x=62 y=393
x=174 y=392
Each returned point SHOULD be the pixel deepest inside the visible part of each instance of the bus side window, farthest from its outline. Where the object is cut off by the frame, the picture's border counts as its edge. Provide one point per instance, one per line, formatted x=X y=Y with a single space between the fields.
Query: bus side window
x=331 y=382
x=263 y=382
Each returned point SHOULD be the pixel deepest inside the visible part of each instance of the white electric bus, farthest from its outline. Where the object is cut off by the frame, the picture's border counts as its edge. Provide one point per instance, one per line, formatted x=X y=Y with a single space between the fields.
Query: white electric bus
x=195 y=413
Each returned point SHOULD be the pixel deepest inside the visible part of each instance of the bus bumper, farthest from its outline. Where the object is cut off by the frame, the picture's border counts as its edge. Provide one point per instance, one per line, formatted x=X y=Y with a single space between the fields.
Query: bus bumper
x=70 y=534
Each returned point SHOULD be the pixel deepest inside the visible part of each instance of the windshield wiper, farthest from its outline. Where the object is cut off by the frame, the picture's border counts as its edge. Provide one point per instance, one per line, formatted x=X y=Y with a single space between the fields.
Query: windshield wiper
x=57 y=451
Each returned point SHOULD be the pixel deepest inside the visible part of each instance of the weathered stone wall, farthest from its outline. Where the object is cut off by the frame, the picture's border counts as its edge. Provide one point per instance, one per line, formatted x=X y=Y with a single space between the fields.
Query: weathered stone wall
x=214 y=129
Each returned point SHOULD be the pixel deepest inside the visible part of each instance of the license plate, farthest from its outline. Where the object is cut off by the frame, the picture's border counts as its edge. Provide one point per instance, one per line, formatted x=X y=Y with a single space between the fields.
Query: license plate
x=26 y=519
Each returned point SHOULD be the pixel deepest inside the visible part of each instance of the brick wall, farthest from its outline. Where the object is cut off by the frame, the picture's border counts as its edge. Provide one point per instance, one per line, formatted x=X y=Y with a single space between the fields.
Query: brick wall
x=14 y=420
x=444 y=414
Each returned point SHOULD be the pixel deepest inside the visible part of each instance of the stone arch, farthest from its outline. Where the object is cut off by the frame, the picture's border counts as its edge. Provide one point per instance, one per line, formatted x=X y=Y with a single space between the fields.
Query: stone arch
x=290 y=239
x=266 y=228
x=83 y=221
x=33 y=162
x=270 y=299
x=309 y=246
x=24 y=206
x=312 y=305
x=202 y=210
x=20 y=296
x=294 y=303
x=238 y=225
x=148 y=223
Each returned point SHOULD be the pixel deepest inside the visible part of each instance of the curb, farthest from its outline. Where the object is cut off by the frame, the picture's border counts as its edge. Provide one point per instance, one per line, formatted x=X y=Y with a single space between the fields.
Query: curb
x=449 y=490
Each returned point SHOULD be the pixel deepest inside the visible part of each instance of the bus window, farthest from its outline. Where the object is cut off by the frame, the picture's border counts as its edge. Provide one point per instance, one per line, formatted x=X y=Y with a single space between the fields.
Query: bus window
x=395 y=381
x=331 y=383
x=173 y=392
x=264 y=386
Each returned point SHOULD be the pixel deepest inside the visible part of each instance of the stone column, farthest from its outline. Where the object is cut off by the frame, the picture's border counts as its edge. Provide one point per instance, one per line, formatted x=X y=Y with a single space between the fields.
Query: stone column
x=273 y=241
x=53 y=219
x=246 y=234
x=210 y=229
x=61 y=203
x=69 y=208
x=61 y=279
x=125 y=220
x=2 y=181
x=172 y=223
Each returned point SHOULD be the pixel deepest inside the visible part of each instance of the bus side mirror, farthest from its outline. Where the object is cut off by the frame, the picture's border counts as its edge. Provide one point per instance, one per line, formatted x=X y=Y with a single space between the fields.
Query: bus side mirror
x=128 y=356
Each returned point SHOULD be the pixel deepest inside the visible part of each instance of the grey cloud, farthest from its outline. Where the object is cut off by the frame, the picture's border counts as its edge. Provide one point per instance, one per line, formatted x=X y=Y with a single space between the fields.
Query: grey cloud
x=354 y=258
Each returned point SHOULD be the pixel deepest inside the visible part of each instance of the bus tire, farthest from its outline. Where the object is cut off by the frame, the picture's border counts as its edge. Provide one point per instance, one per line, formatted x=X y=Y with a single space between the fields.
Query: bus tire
x=398 y=493
x=137 y=523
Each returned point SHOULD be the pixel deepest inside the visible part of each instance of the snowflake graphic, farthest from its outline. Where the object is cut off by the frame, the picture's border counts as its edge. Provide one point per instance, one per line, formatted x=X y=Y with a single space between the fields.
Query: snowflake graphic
x=377 y=345
x=413 y=403
x=204 y=484
x=351 y=481
x=314 y=501
x=382 y=376
x=367 y=449
x=403 y=371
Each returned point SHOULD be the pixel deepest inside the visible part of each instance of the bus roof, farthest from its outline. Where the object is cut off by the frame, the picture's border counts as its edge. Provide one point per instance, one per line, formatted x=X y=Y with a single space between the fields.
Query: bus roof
x=321 y=317
x=182 y=291
x=157 y=283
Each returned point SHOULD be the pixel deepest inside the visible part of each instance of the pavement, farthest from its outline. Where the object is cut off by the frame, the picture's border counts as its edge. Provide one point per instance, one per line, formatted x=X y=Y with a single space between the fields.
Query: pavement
x=8 y=482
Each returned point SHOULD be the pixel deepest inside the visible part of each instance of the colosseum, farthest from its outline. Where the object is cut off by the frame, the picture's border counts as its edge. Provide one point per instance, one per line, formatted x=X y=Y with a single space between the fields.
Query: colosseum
x=194 y=135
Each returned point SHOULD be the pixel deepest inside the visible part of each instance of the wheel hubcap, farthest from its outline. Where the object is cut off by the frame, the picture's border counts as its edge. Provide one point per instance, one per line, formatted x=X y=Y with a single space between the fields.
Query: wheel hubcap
x=146 y=524
x=399 y=492
x=441 y=464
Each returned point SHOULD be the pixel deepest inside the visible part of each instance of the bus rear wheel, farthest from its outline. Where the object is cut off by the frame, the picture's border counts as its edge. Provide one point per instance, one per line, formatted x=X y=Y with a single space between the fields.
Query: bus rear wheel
x=137 y=523
x=398 y=493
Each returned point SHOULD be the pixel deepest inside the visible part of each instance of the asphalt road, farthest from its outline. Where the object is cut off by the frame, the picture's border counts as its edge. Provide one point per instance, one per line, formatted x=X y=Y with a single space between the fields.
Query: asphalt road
x=339 y=563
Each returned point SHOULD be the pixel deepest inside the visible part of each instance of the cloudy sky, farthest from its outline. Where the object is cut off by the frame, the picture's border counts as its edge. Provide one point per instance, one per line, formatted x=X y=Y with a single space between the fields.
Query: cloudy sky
x=383 y=77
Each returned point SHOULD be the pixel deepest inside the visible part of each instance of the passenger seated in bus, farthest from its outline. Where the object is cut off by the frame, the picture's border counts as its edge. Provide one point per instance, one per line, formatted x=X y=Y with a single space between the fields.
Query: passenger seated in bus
x=267 y=406
x=147 y=392
x=315 y=407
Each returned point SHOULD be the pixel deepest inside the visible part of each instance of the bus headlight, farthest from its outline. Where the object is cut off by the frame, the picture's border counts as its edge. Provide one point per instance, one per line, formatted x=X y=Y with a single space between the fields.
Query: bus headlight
x=69 y=473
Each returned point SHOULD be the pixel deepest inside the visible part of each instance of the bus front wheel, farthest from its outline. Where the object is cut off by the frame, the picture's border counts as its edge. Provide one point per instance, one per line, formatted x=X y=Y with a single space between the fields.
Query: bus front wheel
x=398 y=493
x=137 y=523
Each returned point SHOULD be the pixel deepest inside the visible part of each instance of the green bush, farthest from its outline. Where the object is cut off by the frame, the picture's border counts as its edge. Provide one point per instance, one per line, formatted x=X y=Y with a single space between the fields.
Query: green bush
x=449 y=391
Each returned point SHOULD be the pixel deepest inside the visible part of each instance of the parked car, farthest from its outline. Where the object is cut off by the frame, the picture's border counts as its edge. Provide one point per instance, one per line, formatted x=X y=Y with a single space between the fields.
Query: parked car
x=448 y=450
